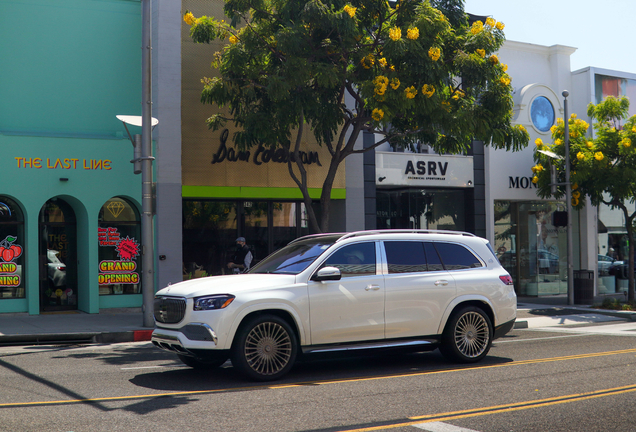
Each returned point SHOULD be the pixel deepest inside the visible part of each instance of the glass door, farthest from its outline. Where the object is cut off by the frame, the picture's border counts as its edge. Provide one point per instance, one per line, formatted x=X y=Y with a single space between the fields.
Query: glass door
x=58 y=257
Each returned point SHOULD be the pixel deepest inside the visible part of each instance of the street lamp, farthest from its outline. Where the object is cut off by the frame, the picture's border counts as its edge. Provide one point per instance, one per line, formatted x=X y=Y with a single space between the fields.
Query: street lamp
x=568 y=194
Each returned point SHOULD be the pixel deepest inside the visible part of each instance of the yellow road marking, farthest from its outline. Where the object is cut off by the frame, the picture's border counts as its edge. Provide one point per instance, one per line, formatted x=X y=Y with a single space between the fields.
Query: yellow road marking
x=336 y=381
x=476 y=412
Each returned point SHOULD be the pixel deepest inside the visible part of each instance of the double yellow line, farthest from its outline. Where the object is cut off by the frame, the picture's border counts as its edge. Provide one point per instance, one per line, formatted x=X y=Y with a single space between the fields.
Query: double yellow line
x=422 y=419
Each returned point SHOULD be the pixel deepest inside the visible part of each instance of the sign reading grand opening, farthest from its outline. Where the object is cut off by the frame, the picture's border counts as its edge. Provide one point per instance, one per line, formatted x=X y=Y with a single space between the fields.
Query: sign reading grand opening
x=120 y=273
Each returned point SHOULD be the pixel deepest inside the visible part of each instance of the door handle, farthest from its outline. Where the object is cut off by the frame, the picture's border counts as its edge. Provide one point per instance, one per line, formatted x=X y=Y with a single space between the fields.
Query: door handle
x=372 y=288
x=441 y=282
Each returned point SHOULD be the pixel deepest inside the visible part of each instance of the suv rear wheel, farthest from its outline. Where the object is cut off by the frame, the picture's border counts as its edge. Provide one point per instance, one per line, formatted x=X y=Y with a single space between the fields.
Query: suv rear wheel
x=265 y=348
x=467 y=336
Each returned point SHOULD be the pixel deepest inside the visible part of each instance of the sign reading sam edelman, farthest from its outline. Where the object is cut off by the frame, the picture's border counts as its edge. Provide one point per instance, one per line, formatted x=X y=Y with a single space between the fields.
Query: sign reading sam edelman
x=261 y=155
x=413 y=169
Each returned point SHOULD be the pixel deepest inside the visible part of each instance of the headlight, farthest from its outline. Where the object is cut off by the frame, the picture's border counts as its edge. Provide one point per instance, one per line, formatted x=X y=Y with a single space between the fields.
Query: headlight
x=212 y=302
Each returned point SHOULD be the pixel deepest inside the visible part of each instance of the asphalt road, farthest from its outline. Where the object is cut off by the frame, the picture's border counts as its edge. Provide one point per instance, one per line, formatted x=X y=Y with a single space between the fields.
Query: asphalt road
x=581 y=378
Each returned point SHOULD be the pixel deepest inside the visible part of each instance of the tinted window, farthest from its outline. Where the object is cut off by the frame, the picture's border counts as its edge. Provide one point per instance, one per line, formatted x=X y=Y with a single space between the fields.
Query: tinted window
x=354 y=260
x=405 y=257
x=456 y=257
x=434 y=262
x=294 y=258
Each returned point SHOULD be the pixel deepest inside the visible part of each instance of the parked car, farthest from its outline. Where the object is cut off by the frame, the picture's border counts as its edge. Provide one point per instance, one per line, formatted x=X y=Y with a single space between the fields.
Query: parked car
x=605 y=263
x=337 y=292
x=56 y=269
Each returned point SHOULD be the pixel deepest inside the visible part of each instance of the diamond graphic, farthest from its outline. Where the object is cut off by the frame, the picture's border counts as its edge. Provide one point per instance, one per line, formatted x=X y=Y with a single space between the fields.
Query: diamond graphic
x=115 y=208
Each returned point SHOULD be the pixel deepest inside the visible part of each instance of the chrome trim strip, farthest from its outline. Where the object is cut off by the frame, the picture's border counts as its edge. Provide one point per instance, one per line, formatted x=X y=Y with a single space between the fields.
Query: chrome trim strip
x=361 y=346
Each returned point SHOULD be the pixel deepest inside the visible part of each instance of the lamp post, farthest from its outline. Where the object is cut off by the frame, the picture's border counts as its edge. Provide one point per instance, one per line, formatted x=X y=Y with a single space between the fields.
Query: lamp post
x=568 y=198
x=143 y=163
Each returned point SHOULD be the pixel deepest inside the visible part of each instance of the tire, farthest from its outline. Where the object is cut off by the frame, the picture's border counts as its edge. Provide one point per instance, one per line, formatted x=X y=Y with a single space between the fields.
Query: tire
x=468 y=336
x=202 y=364
x=264 y=348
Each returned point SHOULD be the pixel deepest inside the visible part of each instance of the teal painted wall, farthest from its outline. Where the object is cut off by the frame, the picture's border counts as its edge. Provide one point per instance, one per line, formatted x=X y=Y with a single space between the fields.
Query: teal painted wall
x=71 y=66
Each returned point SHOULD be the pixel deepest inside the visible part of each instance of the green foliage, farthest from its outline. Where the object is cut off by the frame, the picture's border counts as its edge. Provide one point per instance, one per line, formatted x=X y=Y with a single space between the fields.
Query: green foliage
x=412 y=71
x=600 y=168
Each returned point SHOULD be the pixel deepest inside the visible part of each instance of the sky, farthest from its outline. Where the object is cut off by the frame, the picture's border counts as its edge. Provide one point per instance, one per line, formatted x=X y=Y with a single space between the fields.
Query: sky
x=601 y=31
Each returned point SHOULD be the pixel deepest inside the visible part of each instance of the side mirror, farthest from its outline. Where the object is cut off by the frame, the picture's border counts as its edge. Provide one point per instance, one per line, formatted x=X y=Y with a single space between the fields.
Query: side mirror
x=327 y=273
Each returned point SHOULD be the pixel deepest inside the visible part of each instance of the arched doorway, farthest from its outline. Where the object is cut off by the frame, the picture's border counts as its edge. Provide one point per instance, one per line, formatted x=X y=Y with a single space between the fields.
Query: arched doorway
x=58 y=256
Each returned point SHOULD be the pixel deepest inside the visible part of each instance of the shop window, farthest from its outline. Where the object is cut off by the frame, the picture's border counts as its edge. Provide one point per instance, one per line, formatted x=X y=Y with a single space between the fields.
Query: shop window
x=12 y=268
x=210 y=230
x=421 y=209
x=530 y=247
x=119 y=234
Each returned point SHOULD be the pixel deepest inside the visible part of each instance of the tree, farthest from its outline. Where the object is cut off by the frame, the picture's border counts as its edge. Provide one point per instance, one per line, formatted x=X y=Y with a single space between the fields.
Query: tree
x=603 y=169
x=407 y=72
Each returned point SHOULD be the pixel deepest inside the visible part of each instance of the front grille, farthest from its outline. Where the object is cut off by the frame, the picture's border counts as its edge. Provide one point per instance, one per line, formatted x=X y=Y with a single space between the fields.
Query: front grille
x=169 y=310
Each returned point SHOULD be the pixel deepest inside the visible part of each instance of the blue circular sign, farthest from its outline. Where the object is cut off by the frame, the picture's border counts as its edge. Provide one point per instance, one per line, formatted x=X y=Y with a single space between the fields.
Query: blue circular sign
x=542 y=113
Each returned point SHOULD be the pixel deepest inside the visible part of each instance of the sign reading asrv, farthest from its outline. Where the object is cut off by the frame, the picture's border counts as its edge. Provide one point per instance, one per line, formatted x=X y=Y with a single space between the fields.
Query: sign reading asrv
x=413 y=169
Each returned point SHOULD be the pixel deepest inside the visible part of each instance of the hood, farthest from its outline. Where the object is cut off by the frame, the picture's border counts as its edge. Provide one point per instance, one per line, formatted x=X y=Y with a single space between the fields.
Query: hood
x=230 y=284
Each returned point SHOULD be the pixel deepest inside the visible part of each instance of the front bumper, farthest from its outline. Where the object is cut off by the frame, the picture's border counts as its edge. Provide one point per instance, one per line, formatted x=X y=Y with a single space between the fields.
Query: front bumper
x=185 y=340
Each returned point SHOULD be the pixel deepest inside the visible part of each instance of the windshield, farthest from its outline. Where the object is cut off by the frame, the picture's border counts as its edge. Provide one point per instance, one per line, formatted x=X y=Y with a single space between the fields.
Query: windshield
x=296 y=257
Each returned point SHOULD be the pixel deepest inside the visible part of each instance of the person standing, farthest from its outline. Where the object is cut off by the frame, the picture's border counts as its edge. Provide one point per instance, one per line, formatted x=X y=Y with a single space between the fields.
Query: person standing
x=242 y=258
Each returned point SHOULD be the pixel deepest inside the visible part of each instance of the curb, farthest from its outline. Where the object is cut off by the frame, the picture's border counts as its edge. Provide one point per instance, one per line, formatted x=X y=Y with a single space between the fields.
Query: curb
x=77 y=338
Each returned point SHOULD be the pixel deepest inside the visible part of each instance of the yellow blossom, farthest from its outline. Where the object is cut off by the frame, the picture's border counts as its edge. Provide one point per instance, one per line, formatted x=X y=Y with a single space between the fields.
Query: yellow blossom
x=410 y=92
x=434 y=53
x=377 y=114
x=477 y=27
x=413 y=33
x=446 y=105
x=490 y=22
x=395 y=33
x=580 y=156
x=598 y=156
x=634 y=129
x=553 y=129
x=392 y=68
x=367 y=61
x=481 y=52
x=558 y=142
x=590 y=144
x=350 y=10
x=428 y=90
x=521 y=128
x=575 y=186
x=500 y=25
x=576 y=194
x=573 y=115
x=504 y=67
x=559 y=121
x=505 y=80
x=626 y=142
x=382 y=62
x=535 y=179
x=233 y=39
x=493 y=59
x=395 y=83
x=538 y=142
x=189 y=18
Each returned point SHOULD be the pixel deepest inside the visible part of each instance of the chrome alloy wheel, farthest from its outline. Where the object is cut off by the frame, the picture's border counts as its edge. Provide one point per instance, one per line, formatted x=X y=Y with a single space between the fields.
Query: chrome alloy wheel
x=472 y=334
x=268 y=348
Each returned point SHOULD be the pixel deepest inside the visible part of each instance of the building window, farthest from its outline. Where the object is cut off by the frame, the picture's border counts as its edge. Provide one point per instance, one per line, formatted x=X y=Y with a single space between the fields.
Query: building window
x=12 y=268
x=542 y=113
x=119 y=234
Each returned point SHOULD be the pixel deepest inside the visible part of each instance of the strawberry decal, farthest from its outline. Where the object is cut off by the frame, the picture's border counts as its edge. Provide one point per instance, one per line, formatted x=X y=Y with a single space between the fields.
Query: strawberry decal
x=8 y=250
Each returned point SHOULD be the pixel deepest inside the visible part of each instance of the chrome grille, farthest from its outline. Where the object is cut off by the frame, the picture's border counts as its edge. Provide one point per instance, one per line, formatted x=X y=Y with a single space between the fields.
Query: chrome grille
x=169 y=310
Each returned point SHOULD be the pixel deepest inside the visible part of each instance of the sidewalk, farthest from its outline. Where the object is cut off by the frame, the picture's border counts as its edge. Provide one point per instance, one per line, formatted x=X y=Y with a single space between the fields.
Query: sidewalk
x=126 y=325
x=108 y=326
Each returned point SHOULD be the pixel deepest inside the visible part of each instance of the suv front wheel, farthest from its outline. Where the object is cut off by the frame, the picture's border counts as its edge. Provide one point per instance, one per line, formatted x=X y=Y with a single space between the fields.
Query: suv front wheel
x=265 y=348
x=467 y=336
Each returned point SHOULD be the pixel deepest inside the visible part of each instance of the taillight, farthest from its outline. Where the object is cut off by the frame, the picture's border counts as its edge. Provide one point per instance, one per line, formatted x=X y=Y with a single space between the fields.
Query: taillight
x=506 y=279
x=61 y=268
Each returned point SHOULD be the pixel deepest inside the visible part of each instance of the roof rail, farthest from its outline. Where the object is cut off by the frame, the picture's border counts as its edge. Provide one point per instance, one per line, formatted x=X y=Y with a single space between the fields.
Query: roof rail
x=314 y=236
x=403 y=231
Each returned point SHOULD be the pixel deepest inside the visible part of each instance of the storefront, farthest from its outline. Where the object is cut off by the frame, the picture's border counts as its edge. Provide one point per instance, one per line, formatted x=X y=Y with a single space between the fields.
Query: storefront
x=424 y=191
x=229 y=193
x=66 y=164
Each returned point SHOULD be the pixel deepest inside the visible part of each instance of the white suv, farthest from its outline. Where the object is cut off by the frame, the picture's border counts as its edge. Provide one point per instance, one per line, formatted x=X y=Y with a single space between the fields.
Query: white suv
x=333 y=292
